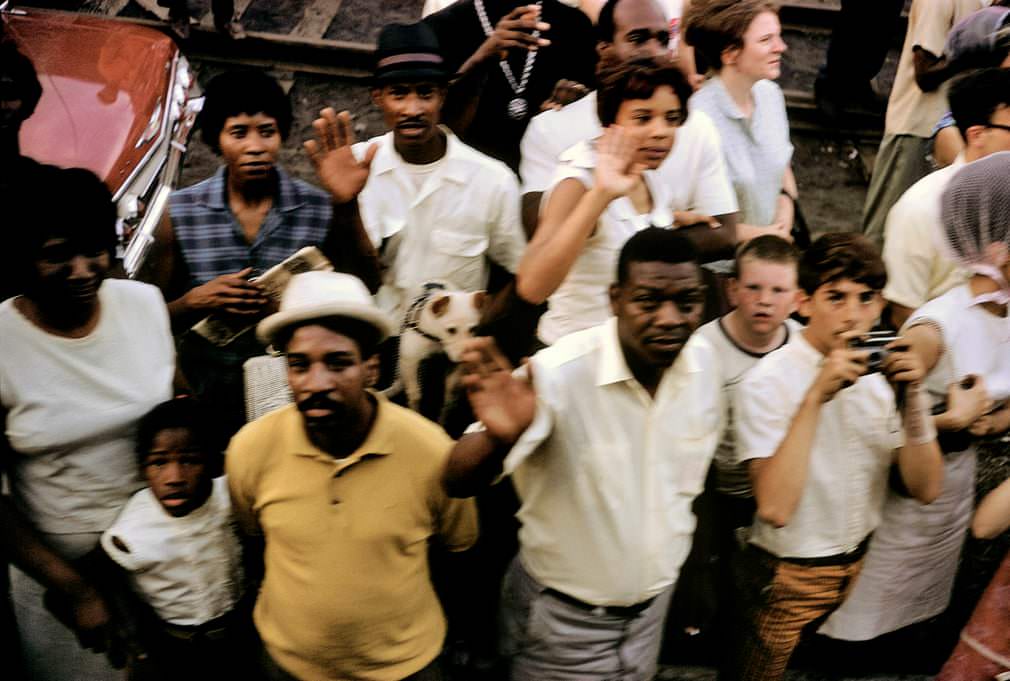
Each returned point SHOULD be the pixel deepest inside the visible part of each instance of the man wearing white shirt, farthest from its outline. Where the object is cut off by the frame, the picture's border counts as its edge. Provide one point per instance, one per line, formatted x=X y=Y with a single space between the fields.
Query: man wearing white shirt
x=820 y=431
x=694 y=172
x=434 y=207
x=917 y=270
x=608 y=444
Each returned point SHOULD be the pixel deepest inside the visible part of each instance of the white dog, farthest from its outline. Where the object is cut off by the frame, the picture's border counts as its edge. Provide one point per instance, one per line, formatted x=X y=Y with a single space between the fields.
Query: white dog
x=438 y=320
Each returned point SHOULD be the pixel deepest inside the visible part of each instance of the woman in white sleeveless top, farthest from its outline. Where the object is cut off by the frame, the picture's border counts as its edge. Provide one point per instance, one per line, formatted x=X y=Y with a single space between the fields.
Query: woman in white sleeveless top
x=603 y=193
x=963 y=337
x=84 y=357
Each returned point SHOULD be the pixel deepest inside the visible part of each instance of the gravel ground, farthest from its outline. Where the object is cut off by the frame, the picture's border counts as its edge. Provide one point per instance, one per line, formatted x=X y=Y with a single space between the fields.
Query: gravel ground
x=830 y=171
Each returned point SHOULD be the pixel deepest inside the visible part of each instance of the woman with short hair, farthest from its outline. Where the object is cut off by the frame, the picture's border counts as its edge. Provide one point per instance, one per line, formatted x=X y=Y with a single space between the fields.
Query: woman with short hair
x=604 y=191
x=741 y=42
x=84 y=358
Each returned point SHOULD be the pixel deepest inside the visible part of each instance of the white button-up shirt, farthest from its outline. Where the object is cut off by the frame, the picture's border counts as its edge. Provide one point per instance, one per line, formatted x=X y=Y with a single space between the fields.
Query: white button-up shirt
x=189 y=569
x=465 y=212
x=693 y=176
x=606 y=473
x=582 y=300
x=854 y=446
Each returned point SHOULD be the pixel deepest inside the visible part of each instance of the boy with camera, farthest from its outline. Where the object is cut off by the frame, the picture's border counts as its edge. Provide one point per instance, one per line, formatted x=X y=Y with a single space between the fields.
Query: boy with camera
x=820 y=435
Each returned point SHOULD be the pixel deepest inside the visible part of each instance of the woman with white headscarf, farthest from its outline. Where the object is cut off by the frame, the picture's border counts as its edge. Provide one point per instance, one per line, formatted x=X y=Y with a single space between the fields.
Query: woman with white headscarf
x=963 y=338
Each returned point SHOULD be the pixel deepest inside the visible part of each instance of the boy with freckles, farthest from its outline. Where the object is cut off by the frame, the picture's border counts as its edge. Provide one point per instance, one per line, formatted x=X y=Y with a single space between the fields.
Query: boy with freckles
x=820 y=433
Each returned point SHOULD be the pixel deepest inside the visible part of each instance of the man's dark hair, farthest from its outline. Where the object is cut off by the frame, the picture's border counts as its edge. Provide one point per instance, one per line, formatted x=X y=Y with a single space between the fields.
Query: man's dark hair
x=364 y=334
x=842 y=255
x=713 y=26
x=180 y=412
x=654 y=244
x=61 y=203
x=637 y=79
x=975 y=96
x=769 y=248
x=605 y=26
x=234 y=93
x=25 y=80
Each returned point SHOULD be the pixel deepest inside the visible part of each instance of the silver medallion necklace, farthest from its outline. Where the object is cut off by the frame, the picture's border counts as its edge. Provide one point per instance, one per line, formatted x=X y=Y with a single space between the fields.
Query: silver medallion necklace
x=518 y=106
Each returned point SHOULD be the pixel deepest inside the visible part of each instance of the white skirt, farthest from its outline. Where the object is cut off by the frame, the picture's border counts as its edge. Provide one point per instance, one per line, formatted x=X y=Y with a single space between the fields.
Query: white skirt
x=909 y=569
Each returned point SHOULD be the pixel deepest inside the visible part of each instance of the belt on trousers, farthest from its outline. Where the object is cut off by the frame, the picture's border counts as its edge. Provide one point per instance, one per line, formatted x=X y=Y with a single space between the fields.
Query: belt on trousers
x=213 y=630
x=612 y=610
x=822 y=561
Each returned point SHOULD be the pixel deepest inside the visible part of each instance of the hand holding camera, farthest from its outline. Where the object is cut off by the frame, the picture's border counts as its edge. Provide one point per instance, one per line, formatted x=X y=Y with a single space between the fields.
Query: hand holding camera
x=889 y=354
x=840 y=369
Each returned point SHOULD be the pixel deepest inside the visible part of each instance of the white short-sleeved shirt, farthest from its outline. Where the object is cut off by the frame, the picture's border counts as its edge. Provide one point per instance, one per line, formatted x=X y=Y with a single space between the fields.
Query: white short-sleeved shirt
x=732 y=362
x=910 y=111
x=607 y=474
x=582 y=301
x=693 y=175
x=188 y=569
x=857 y=434
x=909 y=571
x=916 y=269
x=465 y=213
x=757 y=151
x=73 y=405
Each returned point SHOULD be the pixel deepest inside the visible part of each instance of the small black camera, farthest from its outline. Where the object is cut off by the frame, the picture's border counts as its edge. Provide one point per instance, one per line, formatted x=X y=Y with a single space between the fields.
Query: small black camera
x=874 y=343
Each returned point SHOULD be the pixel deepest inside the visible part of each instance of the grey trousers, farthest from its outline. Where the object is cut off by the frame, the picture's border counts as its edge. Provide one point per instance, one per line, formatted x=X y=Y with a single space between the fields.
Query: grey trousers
x=547 y=639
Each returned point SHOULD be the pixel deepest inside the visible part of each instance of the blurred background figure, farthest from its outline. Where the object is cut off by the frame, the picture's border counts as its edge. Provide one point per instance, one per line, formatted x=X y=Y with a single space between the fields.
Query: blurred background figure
x=917 y=101
x=225 y=20
x=862 y=36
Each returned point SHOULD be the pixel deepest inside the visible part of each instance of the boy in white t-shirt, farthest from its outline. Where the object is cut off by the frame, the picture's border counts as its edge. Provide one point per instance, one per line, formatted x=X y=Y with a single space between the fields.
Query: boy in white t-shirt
x=175 y=540
x=820 y=429
x=765 y=292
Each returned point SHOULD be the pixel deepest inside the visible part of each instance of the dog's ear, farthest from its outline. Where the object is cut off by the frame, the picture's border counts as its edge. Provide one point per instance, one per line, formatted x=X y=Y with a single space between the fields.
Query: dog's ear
x=440 y=305
x=479 y=299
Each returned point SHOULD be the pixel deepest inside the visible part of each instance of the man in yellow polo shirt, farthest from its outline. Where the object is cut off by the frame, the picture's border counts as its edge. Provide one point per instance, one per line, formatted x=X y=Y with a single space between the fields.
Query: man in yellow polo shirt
x=345 y=489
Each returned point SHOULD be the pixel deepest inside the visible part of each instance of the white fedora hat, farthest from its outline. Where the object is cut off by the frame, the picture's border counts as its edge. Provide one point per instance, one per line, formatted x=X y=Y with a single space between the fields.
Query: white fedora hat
x=317 y=295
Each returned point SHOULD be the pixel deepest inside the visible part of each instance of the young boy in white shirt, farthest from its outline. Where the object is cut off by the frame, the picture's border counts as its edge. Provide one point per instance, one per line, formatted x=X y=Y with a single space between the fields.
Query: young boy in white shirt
x=175 y=540
x=820 y=433
x=764 y=292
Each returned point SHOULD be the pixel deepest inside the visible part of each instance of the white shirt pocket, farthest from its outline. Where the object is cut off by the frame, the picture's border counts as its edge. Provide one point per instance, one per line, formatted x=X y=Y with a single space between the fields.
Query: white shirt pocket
x=459 y=257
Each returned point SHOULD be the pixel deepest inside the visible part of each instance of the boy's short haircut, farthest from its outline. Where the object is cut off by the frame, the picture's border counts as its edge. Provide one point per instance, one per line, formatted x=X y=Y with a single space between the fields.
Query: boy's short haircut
x=619 y=81
x=654 y=244
x=179 y=412
x=234 y=93
x=975 y=96
x=842 y=255
x=769 y=248
x=713 y=26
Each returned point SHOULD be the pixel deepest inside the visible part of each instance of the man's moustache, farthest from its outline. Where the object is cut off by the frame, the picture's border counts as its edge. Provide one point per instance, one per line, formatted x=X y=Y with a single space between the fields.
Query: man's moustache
x=319 y=403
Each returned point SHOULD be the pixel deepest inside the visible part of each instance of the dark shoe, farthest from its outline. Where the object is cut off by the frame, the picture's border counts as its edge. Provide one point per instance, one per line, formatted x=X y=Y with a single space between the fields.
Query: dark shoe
x=232 y=29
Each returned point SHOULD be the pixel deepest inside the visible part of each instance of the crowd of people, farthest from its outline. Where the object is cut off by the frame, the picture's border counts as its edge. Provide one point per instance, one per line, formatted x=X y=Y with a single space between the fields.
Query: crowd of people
x=671 y=412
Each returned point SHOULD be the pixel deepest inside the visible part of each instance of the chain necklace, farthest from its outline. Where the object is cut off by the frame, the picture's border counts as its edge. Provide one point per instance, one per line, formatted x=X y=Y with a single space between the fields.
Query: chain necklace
x=518 y=106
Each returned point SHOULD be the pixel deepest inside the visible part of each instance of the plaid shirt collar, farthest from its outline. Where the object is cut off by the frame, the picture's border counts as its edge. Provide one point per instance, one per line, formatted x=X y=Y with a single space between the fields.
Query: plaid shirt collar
x=214 y=194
